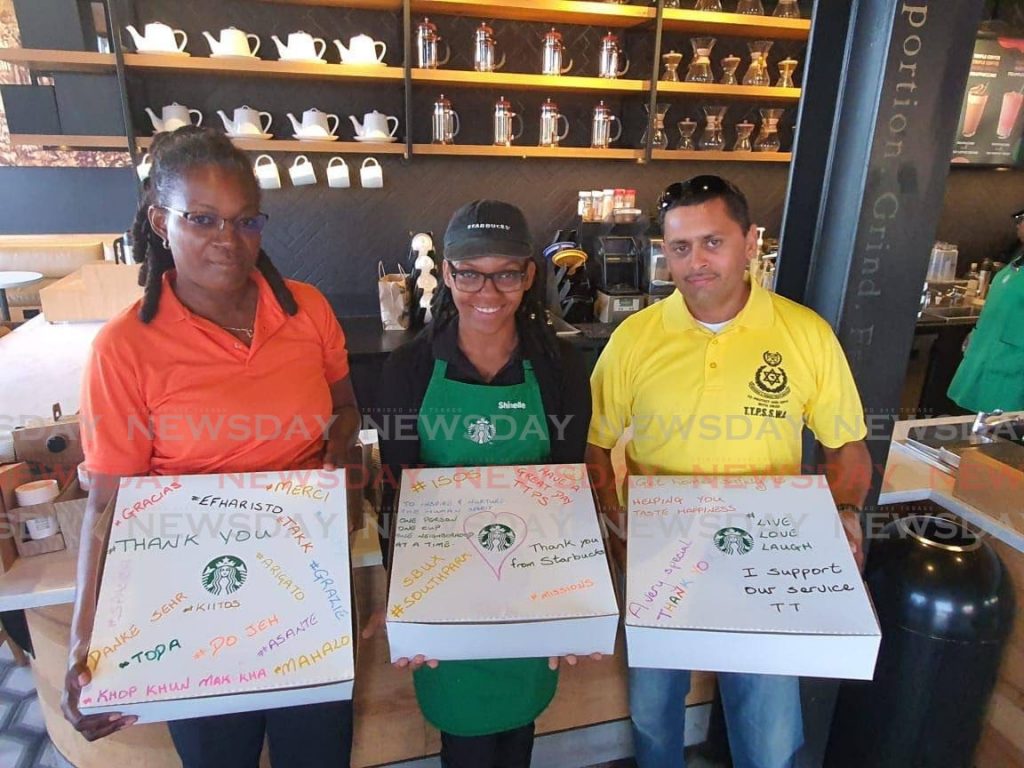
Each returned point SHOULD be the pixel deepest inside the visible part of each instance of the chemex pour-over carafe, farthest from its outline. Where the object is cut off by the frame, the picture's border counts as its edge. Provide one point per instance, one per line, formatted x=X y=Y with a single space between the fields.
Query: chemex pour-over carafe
x=700 y=68
x=768 y=137
x=712 y=138
x=427 y=41
x=656 y=122
x=611 y=52
x=554 y=49
x=786 y=68
x=757 y=72
x=483 y=50
x=549 y=119
x=743 y=133
x=445 y=122
x=504 y=122
x=729 y=66
x=750 y=7
x=787 y=9
x=601 y=127
x=708 y=5
x=687 y=128
x=672 y=60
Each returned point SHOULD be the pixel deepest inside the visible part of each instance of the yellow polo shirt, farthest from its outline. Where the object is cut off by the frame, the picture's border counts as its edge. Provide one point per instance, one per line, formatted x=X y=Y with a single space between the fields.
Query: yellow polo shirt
x=732 y=403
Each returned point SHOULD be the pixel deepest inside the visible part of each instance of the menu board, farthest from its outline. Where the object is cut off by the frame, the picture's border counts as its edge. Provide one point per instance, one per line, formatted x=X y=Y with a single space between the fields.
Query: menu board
x=223 y=593
x=991 y=119
x=499 y=562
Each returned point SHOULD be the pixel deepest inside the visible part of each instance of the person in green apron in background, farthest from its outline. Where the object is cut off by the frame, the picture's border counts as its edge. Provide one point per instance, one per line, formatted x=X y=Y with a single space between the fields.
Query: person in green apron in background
x=488 y=352
x=991 y=375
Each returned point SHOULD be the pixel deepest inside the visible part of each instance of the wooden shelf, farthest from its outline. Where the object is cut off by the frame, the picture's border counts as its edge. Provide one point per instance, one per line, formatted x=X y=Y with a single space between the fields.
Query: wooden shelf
x=369 y=5
x=530 y=82
x=483 y=150
x=722 y=157
x=260 y=68
x=59 y=61
x=735 y=25
x=69 y=142
x=310 y=147
x=760 y=93
x=548 y=11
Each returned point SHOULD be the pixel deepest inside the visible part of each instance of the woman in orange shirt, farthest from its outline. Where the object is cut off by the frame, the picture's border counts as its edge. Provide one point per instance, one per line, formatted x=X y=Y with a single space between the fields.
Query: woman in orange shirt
x=222 y=366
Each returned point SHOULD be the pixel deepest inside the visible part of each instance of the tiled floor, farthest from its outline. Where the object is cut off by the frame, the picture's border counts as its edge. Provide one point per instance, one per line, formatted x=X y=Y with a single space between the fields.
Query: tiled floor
x=23 y=742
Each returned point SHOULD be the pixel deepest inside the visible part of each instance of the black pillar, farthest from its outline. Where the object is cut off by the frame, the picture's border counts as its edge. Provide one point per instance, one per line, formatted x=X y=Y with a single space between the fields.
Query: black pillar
x=865 y=203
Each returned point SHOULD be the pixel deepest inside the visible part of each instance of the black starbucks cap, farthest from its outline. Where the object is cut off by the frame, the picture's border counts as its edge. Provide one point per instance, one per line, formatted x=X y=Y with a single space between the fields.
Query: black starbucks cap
x=487 y=228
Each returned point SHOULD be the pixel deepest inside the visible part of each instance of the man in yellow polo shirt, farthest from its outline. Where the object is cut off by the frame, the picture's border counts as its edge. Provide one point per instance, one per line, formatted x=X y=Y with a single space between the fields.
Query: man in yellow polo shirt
x=719 y=379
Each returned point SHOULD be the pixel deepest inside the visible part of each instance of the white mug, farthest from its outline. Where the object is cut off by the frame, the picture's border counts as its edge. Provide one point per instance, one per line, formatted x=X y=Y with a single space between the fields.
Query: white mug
x=143 y=167
x=337 y=175
x=302 y=172
x=371 y=174
x=267 y=175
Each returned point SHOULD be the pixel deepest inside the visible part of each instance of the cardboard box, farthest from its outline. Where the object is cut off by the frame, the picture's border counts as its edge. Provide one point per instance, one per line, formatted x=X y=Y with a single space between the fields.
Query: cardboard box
x=224 y=593
x=744 y=574
x=11 y=476
x=93 y=292
x=499 y=562
x=54 y=447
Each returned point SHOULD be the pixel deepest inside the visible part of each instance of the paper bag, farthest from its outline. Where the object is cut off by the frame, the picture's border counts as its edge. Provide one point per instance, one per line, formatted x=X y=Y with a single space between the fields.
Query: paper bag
x=393 y=291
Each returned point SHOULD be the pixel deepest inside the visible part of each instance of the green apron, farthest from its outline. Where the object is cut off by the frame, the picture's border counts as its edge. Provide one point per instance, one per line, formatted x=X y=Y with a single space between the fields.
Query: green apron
x=476 y=698
x=991 y=375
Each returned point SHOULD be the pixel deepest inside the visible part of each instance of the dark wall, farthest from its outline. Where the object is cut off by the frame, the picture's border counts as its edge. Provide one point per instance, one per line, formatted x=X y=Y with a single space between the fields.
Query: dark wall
x=65 y=200
x=976 y=212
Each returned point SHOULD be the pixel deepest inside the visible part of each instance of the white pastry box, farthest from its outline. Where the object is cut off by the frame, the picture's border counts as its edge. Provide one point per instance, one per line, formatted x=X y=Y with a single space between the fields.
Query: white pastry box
x=499 y=562
x=744 y=574
x=223 y=593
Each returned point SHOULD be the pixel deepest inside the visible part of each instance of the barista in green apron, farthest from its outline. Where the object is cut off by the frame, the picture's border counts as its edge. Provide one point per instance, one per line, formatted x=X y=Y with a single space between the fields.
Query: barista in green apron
x=991 y=375
x=487 y=353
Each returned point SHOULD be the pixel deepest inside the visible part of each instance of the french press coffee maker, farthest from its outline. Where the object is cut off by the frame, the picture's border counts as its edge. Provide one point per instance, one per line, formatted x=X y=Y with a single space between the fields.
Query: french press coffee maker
x=553 y=50
x=427 y=41
x=483 y=50
x=608 y=61
x=601 y=127
x=445 y=123
x=504 y=120
x=549 y=119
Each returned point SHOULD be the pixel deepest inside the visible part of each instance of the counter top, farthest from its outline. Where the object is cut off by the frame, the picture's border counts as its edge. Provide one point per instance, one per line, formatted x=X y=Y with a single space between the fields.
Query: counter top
x=909 y=477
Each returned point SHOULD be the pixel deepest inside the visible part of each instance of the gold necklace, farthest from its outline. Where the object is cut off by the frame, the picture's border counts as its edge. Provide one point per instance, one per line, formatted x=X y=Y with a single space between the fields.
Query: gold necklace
x=247 y=331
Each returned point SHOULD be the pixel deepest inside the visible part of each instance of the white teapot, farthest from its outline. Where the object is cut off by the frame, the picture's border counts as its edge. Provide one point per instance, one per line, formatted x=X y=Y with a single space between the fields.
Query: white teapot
x=300 y=46
x=173 y=117
x=159 y=38
x=374 y=125
x=233 y=42
x=314 y=124
x=246 y=121
x=362 y=49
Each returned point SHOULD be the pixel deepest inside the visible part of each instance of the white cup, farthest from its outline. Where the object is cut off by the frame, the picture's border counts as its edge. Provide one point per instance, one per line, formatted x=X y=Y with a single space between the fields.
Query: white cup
x=302 y=172
x=267 y=175
x=36 y=492
x=42 y=527
x=144 y=167
x=337 y=173
x=371 y=174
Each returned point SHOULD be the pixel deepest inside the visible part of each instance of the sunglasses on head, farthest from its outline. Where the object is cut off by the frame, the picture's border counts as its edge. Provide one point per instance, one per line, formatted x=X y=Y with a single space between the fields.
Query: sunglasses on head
x=697 y=187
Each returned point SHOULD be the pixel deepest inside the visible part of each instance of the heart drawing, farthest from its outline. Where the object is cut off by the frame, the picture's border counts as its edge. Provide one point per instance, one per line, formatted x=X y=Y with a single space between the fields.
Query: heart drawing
x=495 y=536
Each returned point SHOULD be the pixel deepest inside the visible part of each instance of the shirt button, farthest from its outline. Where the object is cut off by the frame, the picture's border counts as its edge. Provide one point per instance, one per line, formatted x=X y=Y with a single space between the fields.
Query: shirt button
x=714 y=365
x=238 y=346
x=714 y=341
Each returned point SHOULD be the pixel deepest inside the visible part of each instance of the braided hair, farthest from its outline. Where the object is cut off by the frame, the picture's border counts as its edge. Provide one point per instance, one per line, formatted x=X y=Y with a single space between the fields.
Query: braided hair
x=174 y=154
x=531 y=318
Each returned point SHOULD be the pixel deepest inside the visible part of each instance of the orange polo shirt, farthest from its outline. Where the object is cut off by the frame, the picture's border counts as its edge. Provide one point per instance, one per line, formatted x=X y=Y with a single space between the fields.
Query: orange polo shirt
x=181 y=395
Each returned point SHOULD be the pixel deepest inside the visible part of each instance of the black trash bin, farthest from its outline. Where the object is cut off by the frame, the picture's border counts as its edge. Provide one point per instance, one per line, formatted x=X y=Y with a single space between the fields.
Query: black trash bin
x=945 y=604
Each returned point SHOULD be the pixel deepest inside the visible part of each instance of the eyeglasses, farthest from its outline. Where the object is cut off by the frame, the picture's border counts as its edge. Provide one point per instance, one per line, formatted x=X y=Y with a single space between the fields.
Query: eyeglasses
x=698 y=186
x=471 y=281
x=211 y=222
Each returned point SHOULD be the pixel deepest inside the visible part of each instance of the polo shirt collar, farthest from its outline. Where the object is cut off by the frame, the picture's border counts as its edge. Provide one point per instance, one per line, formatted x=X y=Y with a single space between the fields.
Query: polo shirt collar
x=758 y=312
x=269 y=315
